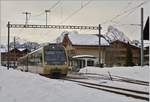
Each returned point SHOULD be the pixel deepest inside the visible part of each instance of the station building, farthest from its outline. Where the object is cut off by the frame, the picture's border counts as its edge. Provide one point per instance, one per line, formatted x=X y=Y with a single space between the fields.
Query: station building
x=80 y=48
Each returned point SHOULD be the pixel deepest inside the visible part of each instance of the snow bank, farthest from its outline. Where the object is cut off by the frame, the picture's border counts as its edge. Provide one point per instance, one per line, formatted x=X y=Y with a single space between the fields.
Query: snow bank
x=16 y=86
x=137 y=72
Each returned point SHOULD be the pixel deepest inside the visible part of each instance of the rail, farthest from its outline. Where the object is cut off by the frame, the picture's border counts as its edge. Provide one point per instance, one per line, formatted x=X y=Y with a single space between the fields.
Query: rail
x=121 y=91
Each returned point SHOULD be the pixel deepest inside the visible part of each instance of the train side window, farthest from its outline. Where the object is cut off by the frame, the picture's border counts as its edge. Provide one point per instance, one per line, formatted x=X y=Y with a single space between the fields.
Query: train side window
x=38 y=58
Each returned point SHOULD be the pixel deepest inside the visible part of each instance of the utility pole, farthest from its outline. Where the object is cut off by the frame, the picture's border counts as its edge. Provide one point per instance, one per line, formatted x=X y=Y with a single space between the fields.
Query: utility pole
x=0 y=48
x=8 y=25
x=26 y=14
x=47 y=11
x=15 y=52
x=142 y=58
x=99 y=47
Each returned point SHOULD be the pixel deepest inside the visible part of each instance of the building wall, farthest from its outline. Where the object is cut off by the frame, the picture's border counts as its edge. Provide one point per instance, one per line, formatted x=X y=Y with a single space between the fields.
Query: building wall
x=113 y=55
x=80 y=50
x=146 y=55
x=116 y=54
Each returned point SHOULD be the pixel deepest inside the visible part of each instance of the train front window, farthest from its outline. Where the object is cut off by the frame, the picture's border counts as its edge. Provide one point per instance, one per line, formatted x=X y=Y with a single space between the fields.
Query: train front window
x=55 y=57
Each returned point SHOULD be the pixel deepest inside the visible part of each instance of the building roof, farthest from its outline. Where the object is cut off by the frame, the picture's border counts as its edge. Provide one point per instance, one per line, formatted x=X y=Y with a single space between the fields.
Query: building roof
x=86 y=39
x=82 y=39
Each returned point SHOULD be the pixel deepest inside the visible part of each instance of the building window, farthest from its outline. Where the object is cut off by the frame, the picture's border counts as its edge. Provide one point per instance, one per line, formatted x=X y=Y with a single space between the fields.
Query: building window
x=90 y=63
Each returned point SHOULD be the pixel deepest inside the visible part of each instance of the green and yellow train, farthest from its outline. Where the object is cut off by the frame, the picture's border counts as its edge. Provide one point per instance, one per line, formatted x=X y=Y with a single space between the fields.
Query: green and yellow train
x=49 y=60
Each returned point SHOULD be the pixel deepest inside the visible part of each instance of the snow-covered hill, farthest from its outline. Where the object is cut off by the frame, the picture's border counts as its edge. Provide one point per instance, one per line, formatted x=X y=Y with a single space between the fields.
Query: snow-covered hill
x=114 y=34
x=21 y=44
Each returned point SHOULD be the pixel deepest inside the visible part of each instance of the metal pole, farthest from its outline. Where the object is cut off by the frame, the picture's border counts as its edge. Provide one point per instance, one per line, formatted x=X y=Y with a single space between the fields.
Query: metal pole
x=26 y=18
x=8 y=45
x=142 y=59
x=27 y=58
x=99 y=48
x=46 y=18
x=46 y=11
x=0 y=48
x=26 y=13
x=15 y=52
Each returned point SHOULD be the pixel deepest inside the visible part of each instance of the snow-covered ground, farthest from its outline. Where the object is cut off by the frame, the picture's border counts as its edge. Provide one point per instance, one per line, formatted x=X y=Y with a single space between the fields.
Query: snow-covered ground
x=137 y=72
x=16 y=86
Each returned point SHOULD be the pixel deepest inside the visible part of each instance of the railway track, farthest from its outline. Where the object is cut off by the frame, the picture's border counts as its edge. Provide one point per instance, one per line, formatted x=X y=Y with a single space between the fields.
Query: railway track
x=132 y=80
x=114 y=78
x=121 y=91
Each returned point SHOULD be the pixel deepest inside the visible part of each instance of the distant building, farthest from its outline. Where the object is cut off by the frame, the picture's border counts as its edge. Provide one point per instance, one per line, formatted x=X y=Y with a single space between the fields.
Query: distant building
x=116 y=54
x=14 y=54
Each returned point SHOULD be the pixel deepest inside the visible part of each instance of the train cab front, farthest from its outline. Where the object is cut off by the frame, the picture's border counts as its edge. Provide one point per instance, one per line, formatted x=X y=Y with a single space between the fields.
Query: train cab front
x=56 y=71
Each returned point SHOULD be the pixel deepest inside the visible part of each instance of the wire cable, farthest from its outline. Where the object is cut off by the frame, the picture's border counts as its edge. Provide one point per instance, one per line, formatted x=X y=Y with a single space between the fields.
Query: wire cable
x=75 y=12
x=129 y=11
x=52 y=7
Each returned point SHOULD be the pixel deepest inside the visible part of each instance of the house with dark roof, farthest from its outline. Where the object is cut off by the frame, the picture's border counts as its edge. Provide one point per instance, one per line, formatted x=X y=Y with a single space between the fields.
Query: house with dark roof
x=14 y=54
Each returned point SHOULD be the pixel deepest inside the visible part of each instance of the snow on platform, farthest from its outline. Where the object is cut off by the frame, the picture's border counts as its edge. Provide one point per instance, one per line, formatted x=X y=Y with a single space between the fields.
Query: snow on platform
x=137 y=72
x=16 y=86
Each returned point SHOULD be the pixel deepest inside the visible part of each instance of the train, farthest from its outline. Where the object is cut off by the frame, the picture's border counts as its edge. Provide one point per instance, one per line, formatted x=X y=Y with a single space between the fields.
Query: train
x=49 y=60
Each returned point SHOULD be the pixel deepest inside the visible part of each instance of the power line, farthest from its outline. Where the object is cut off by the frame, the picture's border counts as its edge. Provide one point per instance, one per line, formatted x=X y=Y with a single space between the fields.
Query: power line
x=52 y=7
x=126 y=11
x=76 y=11
x=131 y=13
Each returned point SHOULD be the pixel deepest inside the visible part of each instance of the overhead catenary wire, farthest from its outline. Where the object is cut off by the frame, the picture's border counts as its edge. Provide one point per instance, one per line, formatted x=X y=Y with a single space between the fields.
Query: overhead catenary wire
x=132 y=11
x=41 y=13
x=118 y=23
x=129 y=11
x=75 y=12
x=52 y=7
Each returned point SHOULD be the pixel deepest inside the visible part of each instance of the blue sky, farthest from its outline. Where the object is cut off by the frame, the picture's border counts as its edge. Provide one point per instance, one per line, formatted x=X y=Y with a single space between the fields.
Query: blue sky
x=94 y=13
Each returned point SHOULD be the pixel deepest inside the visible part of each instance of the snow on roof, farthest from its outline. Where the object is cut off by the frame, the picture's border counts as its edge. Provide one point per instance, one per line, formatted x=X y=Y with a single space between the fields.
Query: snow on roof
x=82 y=39
x=83 y=56
x=60 y=38
x=86 y=39
x=3 y=50
x=146 y=43
x=21 y=49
